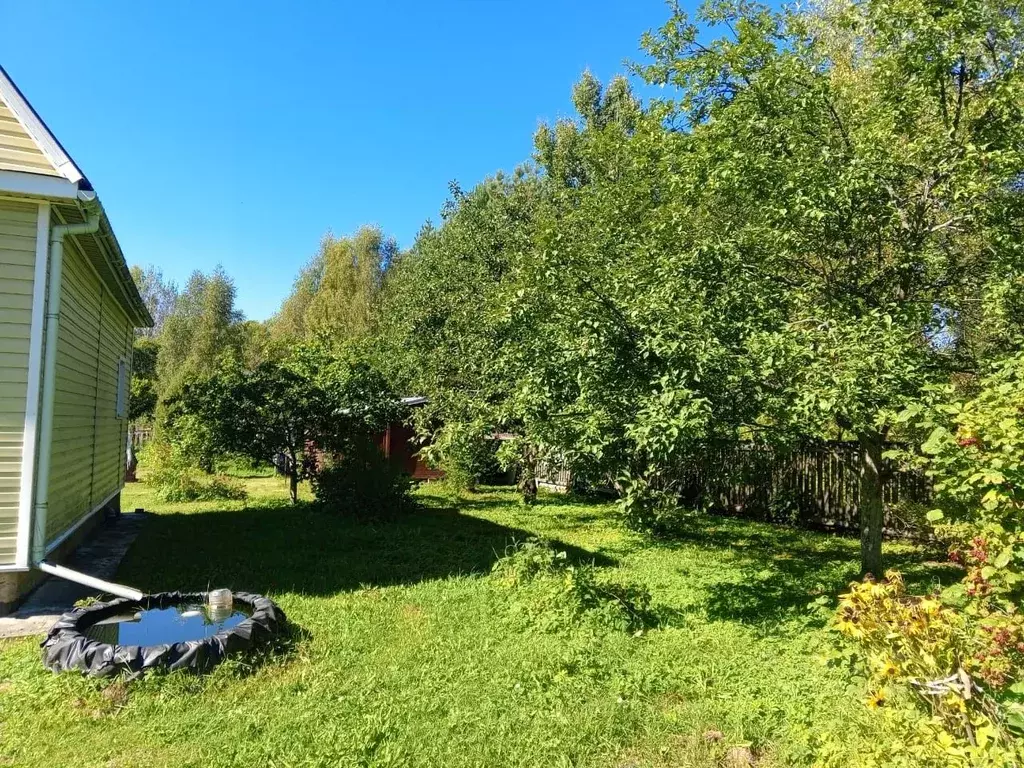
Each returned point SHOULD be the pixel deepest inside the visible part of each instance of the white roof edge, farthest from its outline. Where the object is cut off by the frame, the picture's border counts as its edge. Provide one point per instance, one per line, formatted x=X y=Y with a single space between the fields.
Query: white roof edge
x=37 y=185
x=414 y=400
x=68 y=187
x=37 y=129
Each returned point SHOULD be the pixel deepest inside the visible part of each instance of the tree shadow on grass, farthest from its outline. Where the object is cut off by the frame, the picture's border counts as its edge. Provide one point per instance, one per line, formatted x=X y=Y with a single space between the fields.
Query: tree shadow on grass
x=776 y=573
x=277 y=548
x=569 y=510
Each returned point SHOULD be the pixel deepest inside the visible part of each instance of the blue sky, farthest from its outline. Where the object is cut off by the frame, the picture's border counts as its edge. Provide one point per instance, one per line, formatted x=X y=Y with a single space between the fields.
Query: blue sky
x=239 y=132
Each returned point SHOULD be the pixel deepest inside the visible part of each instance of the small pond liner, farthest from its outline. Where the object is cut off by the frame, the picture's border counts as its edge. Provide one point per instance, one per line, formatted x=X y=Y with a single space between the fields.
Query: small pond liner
x=68 y=647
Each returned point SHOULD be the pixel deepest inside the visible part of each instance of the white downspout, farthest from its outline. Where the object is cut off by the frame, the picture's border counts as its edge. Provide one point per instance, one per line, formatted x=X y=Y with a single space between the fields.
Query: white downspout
x=89 y=581
x=45 y=436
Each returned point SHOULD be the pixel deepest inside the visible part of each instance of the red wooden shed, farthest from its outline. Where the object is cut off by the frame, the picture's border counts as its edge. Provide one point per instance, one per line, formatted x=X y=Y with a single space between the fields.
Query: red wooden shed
x=401 y=447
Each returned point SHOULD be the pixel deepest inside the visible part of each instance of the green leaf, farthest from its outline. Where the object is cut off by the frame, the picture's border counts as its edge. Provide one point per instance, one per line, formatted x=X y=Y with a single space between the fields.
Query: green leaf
x=1015 y=720
x=1004 y=558
x=934 y=515
x=934 y=442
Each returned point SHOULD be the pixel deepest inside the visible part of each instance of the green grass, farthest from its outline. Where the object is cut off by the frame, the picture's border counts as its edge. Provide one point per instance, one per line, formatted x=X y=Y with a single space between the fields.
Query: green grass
x=410 y=654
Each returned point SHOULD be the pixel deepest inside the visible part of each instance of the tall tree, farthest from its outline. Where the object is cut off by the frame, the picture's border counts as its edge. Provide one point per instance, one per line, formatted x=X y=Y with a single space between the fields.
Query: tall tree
x=862 y=157
x=444 y=322
x=142 y=404
x=199 y=332
x=336 y=292
x=290 y=321
x=255 y=342
x=159 y=294
x=641 y=319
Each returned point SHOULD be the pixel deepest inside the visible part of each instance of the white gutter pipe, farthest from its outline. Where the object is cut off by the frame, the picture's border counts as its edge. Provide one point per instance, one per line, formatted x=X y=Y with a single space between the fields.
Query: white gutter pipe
x=45 y=435
x=89 y=581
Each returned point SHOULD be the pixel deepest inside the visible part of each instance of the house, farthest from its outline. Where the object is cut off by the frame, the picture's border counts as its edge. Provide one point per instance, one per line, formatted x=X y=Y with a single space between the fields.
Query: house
x=68 y=312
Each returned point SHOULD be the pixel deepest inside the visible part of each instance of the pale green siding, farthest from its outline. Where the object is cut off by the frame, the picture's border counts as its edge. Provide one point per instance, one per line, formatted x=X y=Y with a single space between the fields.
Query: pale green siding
x=18 y=151
x=17 y=260
x=88 y=436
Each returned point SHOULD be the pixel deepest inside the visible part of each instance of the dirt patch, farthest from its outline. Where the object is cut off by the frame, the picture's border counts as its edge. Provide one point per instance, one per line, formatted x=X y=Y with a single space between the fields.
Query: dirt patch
x=116 y=694
x=739 y=757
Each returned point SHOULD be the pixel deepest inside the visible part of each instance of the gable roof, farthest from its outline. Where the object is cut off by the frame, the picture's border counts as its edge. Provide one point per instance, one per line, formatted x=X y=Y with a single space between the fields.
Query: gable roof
x=33 y=162
x=33 y=127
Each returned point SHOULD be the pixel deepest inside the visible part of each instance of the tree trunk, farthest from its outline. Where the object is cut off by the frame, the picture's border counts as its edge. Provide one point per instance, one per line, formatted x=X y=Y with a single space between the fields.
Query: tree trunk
x=293 y=478
x=528 y=474
x=872 y=511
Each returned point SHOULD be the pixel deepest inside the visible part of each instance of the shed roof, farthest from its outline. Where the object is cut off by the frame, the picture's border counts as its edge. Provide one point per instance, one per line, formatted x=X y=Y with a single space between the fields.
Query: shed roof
x=40 y=173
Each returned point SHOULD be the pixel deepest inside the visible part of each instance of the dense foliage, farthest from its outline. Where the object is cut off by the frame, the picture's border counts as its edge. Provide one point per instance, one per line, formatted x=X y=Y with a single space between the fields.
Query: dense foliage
x=814 y=234
x=316 y=398
x=359 y=482
x=336 y=293
x=445 y=330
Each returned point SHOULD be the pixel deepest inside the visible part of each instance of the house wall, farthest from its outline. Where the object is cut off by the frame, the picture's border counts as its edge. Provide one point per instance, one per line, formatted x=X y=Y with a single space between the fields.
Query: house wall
x=17 y=260
x=18 y=152
x=397 y=444
x=89 y=437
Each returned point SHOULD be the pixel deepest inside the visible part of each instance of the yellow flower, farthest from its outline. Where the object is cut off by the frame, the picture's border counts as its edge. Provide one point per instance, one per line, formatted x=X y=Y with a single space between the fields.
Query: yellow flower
x=877 y=699
x=930 y=606
x=889 y=669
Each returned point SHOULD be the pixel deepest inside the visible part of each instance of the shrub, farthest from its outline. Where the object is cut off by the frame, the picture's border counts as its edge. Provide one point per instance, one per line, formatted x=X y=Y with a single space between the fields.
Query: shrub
x=652 y=510
x=973 y=451
x=465 y=453
x=551 y=592
x=961 y=672
x=361 y=483
x=175 y=479
x=960 y=652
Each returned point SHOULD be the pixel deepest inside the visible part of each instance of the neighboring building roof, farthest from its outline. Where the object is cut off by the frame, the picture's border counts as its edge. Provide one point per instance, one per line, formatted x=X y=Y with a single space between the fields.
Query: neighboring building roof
x=33 y=163
x=412 y=402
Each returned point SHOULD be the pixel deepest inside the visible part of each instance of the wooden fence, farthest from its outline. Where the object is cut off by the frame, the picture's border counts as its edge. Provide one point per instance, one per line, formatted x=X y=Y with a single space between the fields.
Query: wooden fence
x=140 y=436
x=554 y=475
x=815 y=486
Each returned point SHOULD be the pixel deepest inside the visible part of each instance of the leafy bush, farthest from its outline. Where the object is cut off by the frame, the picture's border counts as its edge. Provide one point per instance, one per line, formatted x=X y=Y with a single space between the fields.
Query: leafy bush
x=648 y=508
x=361 y=483
x=175 y=479
x=960 y=652
x=552 y=592
x=465 y=453
x=973 y=451
x=960 y=673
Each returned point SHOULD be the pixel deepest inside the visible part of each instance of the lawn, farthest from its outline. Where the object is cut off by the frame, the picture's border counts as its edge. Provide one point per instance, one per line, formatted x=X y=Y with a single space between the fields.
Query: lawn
x=408 y=653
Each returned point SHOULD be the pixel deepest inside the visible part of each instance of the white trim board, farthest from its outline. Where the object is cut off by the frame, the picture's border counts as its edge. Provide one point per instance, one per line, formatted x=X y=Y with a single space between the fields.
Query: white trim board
x=35 y=357
x=37 y=185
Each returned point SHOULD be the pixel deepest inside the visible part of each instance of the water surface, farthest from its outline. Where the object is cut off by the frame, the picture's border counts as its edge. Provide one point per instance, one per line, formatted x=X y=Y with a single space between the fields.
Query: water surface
x=160 y=626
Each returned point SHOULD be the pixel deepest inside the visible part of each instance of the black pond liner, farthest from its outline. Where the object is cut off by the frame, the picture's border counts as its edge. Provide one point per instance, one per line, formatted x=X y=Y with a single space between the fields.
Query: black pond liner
x=67 y=647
